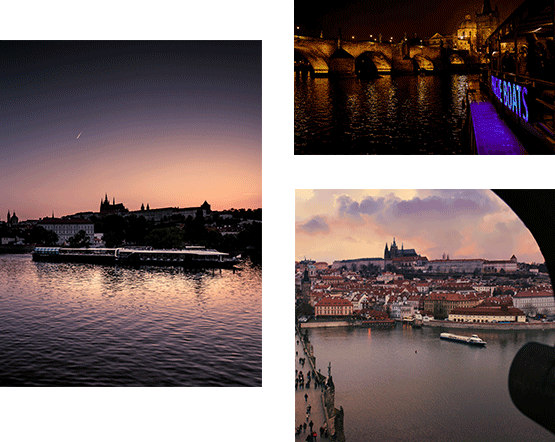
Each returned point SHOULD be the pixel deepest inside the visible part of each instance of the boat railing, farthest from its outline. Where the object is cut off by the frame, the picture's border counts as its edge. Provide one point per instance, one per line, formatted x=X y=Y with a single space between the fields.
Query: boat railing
x=540 y=97
x=521 y=51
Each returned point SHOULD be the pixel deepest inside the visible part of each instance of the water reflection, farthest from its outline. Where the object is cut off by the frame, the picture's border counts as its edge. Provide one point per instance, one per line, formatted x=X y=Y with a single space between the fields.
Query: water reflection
x=79 y=324
x=407 y=384
x=384 y=115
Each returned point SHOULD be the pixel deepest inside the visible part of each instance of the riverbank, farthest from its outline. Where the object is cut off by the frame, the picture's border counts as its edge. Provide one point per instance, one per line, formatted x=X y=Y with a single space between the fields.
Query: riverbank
x=536 y=325
x=323 y=324
x=15 y=250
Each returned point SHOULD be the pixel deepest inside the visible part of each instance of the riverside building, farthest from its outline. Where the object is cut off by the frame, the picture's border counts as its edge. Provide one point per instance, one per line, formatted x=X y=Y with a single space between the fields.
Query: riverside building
x=534 y=302
x=487 y=314
x=333 y=307
x=66 y=228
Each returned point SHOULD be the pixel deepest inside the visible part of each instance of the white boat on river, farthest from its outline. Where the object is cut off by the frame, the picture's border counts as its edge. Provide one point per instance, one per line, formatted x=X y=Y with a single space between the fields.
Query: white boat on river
x=471 y=340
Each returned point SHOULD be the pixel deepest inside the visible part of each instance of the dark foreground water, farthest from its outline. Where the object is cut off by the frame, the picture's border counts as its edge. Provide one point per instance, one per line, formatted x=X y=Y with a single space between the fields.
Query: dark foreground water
x=388 y=115
x=408 y=385
x=88 y=325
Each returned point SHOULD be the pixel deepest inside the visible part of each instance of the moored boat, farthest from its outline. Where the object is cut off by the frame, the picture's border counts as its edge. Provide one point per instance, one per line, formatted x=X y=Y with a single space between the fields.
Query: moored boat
x=471 y=340
x=378 y=323
x=191 y=257
x=520 y=80
x=417 y=323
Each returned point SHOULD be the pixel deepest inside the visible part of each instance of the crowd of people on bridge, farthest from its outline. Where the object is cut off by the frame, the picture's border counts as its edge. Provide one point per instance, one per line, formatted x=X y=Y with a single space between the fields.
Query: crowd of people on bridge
x=303 y=381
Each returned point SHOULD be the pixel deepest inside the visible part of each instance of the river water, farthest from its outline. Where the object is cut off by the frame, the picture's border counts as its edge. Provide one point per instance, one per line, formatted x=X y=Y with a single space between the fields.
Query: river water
x=389 y=115
x=408 y=385
x=90 y=325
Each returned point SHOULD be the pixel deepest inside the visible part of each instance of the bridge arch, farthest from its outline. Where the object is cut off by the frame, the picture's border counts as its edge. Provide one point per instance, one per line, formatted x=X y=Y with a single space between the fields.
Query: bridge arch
x=317 y=63
x=303 y=64
x=316 y=52
x=423 y=63
x=372 y=63
x=456 y=59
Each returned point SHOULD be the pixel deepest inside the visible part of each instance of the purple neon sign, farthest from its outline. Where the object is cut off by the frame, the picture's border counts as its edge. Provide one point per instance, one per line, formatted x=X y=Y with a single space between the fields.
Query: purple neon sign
x=511 y=95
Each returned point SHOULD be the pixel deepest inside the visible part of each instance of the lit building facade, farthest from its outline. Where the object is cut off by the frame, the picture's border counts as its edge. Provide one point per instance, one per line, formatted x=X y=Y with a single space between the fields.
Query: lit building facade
x=333 y=307
x=66 y=228
x=534 y=302
x=472 y=33
x=487 y=314
x=456 y=265
x=441 y=304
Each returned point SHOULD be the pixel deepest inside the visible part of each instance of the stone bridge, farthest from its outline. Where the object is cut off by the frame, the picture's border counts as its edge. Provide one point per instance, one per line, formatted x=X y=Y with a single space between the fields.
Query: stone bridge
x=386 y=57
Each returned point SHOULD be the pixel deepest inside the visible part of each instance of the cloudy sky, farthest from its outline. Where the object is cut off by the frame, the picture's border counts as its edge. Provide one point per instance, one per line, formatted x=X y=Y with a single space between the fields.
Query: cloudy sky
x=347 y=224
x=168 y=123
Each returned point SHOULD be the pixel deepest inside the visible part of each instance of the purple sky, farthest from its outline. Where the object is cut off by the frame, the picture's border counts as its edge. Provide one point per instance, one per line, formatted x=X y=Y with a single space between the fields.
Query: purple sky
x=348 y=224
x=391 y=18
x=164 y=123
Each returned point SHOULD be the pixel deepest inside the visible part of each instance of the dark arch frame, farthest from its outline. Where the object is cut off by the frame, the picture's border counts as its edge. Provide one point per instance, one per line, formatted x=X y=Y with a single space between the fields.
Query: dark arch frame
x=536 y=209
x=531 y=376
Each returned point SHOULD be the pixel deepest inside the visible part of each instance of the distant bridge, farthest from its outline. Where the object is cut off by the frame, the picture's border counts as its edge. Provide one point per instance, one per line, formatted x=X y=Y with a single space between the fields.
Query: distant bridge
x=386 y=57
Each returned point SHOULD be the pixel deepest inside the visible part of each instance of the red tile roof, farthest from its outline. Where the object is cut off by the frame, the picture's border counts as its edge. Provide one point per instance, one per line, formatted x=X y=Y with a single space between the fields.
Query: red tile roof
x=334 y=302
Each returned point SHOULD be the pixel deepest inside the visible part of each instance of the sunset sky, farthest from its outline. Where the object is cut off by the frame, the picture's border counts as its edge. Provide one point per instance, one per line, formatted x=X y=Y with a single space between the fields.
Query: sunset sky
x=347 y=224
x=163 y=123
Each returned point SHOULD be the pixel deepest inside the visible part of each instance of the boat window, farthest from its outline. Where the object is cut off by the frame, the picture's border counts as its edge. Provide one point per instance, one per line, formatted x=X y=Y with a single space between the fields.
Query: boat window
x=521 y=55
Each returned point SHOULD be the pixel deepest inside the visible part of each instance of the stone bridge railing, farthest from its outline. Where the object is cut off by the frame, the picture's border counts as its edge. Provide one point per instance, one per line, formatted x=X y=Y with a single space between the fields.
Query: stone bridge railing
x=387 y=57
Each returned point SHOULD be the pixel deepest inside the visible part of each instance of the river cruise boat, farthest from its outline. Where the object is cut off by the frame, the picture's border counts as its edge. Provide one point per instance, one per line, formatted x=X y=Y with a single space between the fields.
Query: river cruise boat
x=378 y=323
x=520 y=84
x=188 y=257
x=194 y=256
x=79 y=255
x=471 y=340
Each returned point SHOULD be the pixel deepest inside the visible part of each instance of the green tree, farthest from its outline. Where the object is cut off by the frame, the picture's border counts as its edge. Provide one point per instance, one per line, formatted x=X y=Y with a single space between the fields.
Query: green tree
x=80 y=239
x=112 y=239
x=165 y=238
x=137 y=228
x=40 y=235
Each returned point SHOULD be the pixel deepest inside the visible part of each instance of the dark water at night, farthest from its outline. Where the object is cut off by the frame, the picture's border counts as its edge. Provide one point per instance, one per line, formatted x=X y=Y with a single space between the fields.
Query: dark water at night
x=87 y=325
x=444 y=392
x=388 y=115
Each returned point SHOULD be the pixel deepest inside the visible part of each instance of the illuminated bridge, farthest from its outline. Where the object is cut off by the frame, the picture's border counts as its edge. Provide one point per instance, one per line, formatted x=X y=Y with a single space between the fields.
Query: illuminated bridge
x=322 y=57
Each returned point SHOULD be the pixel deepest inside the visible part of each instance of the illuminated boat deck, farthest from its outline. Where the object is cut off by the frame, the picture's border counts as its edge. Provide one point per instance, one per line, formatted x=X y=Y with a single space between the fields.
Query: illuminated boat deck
x=492 y=135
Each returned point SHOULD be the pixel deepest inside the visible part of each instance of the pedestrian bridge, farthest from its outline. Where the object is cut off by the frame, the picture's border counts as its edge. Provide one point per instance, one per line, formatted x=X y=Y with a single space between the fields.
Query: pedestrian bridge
x=315 y=55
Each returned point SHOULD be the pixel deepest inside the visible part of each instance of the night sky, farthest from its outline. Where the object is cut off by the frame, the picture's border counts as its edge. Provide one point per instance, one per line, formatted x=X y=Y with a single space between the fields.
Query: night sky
x=163 y=123
x=391 y=18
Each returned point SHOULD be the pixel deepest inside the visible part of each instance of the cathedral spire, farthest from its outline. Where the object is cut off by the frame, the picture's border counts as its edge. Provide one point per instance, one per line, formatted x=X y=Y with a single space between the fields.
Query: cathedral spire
x=486 y=8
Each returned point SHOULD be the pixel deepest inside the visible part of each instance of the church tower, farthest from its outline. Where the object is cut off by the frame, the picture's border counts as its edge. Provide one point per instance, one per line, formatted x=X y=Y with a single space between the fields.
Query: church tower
x=305 y=284
x=487 y=21
x=394 y=250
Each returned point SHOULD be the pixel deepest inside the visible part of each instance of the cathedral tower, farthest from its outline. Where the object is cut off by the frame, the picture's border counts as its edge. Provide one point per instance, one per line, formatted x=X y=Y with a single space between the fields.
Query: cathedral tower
x=487 y=21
